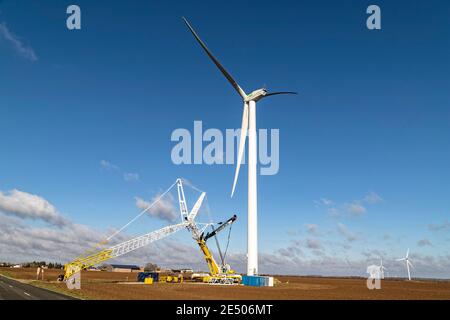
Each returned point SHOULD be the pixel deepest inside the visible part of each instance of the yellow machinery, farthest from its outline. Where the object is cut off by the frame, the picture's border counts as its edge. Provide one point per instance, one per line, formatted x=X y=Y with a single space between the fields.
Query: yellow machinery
x=218 y=275
x=171 y=279
x=222 y=274
x=84 y=262
x=72 y=274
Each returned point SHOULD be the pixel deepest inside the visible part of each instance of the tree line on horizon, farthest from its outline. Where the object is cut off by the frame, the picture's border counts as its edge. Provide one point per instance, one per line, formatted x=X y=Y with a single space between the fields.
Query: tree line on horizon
x=34 y=264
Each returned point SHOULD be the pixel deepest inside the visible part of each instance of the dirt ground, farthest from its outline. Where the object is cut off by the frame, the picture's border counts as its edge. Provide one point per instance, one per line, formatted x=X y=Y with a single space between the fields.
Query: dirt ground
x=114 y=285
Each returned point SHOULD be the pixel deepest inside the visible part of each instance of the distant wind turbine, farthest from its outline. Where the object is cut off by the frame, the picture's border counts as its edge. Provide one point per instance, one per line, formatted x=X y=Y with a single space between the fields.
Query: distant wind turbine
x=408 y=263
x=248 y=124
x=382 y=268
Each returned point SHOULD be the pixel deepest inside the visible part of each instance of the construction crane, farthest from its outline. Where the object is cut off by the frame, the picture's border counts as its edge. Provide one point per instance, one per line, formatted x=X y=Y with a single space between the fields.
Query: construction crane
x=218 y=274
x=72 y=270
x=214 y=232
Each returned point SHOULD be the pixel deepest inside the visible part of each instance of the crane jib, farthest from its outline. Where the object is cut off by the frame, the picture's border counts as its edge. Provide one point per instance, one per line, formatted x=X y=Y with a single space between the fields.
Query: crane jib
x=220 y=228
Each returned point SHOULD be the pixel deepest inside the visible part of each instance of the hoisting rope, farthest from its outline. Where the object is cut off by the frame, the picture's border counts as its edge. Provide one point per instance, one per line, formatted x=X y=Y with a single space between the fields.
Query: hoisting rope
x=115 y=233
x=222 y=258
x=141 y=213
x=105 y=241
x=228 y=242
x=189 y=184
x=208 y=211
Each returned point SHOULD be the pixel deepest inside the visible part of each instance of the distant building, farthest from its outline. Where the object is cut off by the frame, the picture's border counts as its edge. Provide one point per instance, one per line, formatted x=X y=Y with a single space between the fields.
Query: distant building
x=123 y=268
x=183 y=270
x=187 y=270
x=17 y=266
x=92 y=268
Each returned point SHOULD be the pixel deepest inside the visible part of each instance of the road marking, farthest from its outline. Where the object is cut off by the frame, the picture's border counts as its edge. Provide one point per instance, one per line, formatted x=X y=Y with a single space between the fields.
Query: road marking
x=27 y=294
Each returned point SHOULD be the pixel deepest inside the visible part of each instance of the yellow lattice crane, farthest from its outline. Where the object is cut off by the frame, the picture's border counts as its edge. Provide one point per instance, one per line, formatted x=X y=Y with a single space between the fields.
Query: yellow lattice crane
x=218 y=274
x=72 y=269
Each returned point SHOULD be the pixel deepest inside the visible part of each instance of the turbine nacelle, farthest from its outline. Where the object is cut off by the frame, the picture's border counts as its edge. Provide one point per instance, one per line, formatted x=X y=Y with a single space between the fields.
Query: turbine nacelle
x=256 y=95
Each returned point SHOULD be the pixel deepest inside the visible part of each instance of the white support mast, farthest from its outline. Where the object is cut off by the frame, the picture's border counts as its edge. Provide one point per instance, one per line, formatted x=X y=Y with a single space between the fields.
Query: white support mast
x=252 y=227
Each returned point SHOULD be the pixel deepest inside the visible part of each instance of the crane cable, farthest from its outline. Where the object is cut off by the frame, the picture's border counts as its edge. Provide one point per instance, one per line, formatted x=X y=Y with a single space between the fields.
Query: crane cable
x=228 y=243
x=105 y=241
x=208 y=211
x=189 y=184
x=141 y=213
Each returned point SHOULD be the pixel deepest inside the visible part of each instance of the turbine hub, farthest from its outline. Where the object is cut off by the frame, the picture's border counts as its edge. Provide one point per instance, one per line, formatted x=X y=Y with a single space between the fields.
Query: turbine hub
x=256 y=95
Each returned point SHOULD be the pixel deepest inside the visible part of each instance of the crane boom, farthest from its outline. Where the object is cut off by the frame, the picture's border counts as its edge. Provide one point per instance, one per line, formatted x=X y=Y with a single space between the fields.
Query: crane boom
x=120 y=249
x=220 y=228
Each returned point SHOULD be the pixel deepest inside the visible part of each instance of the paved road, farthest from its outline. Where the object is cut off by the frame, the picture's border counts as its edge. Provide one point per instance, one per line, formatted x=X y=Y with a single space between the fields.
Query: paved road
x=15 y=290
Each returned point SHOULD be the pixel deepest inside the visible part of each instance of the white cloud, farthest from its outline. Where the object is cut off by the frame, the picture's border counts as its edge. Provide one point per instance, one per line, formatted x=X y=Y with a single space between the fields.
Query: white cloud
x=355 y=209
x=346 y=233
x=424 y=242
x=312 y=229
x=127 y=176
x=292 y=232
x=30 y=206
x=372 y=198
x=17 y=44
x=20 y=242
x=334 y=212
x=130 y=177
x=352 y=208
x=445 y=226
x=108 y=166
x=326 y=201
x=313 y=244
x=163 y=209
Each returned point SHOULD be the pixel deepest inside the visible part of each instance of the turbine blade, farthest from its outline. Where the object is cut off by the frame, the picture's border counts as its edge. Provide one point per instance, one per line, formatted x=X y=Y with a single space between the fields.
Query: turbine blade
x=216 y=62
x=407 y=253
x=281 y=92
x=410 y=264
x=400 y=259
x=241 y=145
x=196 y=207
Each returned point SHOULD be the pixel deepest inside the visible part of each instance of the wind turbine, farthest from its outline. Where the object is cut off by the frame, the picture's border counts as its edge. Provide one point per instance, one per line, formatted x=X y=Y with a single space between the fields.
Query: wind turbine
x=382 y=268
x=408 y=263
x=248 y=124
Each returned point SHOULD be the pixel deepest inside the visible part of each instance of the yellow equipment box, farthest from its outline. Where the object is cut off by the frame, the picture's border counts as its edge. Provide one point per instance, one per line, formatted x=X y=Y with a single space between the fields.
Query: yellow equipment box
x=148 y=280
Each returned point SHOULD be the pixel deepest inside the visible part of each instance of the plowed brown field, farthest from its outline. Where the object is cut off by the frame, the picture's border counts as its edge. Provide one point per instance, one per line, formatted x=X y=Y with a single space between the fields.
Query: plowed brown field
x=113 y=285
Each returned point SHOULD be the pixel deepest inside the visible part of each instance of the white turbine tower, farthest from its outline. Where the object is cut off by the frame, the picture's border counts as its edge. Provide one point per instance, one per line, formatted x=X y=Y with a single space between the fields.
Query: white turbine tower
x=382 y=268
x=408 y=263
x=248 y=124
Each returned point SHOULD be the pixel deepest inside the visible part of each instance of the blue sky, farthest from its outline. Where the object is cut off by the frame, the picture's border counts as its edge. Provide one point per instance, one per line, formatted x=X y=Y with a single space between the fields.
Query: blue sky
x=364 y=147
